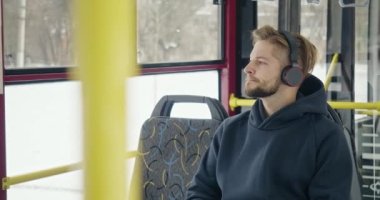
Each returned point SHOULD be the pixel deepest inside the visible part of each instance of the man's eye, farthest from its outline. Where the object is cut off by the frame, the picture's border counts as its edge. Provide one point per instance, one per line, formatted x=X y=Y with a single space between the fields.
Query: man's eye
x=258 y=62
x=261 y=62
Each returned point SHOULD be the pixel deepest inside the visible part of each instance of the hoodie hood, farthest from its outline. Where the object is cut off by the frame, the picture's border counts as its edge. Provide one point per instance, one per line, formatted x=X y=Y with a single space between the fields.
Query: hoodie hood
x=311 y=99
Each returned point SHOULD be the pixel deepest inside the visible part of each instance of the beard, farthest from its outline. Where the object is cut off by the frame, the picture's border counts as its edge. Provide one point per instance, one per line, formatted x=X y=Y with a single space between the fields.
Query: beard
x=262 y=90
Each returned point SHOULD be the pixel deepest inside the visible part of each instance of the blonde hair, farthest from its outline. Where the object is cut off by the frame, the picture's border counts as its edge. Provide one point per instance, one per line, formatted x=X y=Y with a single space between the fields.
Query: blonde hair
x=307 y=52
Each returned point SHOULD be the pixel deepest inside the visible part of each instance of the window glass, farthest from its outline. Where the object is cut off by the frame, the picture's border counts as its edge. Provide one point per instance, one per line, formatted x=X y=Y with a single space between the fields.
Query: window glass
x=178 y=31
x=44 y=130
x=44 y=126
x=267 y=13
x=312 y=16
x=145 y=91
x=361 y=54
x=38 y=33
x=366 y=83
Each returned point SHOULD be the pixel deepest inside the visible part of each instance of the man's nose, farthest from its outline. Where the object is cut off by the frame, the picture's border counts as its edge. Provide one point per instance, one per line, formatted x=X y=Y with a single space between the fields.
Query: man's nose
x=249 y=68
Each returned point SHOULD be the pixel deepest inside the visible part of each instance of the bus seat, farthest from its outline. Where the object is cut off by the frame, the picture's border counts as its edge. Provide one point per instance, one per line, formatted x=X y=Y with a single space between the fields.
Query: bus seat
x=356 y=192
x=172 y=147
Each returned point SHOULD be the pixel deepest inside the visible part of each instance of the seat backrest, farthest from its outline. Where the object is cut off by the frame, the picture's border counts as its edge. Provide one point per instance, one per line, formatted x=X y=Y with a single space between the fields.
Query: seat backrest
x=356 y=192
x=172 y=147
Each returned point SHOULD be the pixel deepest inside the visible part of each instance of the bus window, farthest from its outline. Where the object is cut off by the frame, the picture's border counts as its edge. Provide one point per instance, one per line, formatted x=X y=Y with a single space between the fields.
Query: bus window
x=44 y=120
x=267 y=13
x=145 y=91
x=366 y=86
x=315 y=15
x=361 y=54
x=38 y=33
x=44 y=130
x=178 y=31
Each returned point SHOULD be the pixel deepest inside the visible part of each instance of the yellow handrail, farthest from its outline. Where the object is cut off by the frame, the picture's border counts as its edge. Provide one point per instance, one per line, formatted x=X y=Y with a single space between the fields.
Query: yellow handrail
x=355 y=105
x=13 y=180
x=331 y=71
x=236 y=102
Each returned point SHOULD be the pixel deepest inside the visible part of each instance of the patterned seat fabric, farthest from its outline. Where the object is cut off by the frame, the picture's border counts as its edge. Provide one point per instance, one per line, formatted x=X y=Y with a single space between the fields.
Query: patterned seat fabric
x=173 y=147
x=172 y=150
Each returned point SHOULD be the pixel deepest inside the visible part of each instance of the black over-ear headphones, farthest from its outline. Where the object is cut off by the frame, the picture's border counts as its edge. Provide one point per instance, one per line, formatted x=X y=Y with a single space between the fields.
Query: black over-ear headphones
x=292 y=74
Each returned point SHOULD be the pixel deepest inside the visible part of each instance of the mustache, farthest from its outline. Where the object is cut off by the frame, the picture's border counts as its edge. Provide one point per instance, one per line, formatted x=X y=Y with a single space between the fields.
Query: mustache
x=252 y=79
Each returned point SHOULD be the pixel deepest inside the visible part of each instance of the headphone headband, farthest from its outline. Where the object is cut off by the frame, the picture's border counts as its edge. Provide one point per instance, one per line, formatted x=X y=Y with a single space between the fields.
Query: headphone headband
x=293 y=47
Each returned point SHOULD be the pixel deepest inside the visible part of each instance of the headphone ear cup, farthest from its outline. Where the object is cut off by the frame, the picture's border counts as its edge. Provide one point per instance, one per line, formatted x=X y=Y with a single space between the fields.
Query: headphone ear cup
x=292 y=76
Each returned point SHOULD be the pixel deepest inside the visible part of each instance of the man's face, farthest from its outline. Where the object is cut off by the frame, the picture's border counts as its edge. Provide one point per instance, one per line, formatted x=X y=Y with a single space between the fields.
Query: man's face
x=263 y=72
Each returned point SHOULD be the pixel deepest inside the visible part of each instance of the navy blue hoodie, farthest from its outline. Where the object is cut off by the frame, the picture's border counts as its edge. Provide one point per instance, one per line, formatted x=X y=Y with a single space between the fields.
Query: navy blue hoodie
x=297 y=153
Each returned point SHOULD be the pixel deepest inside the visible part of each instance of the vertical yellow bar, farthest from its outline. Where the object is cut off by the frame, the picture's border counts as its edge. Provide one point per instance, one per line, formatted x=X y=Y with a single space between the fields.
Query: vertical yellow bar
x=106 y=38
x=331 y=71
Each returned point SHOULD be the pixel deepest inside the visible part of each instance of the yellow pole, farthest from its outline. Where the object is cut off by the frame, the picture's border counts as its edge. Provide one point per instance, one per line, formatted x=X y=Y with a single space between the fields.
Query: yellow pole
x=106 y=39
x=331 y=71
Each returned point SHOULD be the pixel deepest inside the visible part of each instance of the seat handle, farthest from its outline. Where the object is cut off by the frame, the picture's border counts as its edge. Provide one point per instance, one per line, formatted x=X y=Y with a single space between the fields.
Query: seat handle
x=165 y=105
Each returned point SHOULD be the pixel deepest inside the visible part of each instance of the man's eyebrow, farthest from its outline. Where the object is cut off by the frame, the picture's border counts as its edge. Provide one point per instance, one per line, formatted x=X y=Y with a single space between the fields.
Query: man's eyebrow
x=259 y=57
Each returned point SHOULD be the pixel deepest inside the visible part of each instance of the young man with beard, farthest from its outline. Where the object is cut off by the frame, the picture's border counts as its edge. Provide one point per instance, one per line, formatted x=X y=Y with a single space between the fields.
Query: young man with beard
x=285 y=147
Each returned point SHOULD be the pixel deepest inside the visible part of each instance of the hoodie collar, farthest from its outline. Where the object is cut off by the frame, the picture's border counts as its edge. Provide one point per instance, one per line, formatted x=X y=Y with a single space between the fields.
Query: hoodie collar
x=311 y=98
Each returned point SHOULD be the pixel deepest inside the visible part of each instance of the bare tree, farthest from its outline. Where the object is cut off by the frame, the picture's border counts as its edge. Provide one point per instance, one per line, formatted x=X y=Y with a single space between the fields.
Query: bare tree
x=48 y=32
x=171 y=30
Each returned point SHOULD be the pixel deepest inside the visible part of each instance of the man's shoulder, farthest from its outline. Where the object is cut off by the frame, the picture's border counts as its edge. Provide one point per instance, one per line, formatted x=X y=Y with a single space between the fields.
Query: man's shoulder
x=326 y=127
x=324 y=121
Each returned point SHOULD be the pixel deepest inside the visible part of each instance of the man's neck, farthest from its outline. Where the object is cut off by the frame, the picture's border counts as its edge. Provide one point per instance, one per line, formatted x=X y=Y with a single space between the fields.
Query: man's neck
x=278 y=101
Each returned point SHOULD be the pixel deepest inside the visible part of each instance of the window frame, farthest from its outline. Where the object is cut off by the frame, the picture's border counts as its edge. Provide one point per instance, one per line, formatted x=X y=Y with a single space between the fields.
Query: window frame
x=32 y=75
